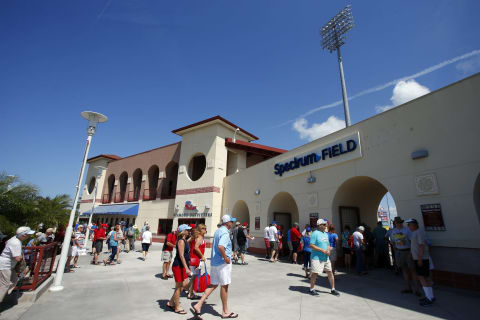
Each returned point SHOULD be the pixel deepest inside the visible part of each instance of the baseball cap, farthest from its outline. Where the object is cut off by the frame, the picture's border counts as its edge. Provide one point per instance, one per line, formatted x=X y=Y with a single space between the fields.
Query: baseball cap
x=192 y=226
x=245 y=224
x=237 y=223
x=274 y=222
x=398 y=219
x=361 y=228
x=227 y=218
x=24 y=231
x=321 y=221
x=183 y=227
x=412 y=220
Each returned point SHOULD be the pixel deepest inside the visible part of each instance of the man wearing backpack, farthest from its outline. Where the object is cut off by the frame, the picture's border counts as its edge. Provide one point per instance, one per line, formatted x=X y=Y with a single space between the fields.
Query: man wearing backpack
x=130 y=235
x=242 y=235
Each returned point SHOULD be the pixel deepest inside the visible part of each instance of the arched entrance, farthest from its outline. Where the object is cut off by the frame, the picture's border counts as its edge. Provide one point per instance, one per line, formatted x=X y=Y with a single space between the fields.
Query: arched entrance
x=283 y=209
x=357 y=202
x=240 y=212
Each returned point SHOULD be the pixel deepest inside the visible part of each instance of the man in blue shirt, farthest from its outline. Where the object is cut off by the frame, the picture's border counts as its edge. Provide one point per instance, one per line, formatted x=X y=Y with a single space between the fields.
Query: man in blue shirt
x=221 y=268
x=320 y=257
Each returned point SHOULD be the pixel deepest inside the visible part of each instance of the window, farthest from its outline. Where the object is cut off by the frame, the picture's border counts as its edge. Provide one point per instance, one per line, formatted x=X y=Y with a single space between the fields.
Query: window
x=91 y=185
x=196 y=167
x=164 y=226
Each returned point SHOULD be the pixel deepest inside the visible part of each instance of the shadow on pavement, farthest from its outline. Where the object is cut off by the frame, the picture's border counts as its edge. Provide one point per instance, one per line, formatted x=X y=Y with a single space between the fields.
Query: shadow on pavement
x=208 y=308
x=304 y=289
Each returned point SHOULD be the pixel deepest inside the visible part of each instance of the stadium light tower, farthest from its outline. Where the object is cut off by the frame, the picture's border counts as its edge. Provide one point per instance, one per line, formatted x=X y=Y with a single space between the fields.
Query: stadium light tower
x=333 y=37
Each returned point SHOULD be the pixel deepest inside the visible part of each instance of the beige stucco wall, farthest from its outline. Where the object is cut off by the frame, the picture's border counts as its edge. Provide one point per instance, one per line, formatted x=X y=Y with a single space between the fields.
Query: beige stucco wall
x=445 y=122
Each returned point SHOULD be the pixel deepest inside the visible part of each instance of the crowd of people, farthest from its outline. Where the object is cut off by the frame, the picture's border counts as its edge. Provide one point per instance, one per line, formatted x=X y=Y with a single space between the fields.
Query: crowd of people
x=314 y=248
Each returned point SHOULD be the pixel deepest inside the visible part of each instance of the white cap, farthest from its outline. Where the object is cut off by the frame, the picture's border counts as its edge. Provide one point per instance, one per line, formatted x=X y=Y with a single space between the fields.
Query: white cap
x=361 y=228
x=24 y=231
x=321 y=221
x=227 y=218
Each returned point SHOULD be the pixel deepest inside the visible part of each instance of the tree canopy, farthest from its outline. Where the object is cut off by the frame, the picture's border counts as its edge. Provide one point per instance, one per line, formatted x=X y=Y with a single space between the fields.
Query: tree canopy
x=21 y=204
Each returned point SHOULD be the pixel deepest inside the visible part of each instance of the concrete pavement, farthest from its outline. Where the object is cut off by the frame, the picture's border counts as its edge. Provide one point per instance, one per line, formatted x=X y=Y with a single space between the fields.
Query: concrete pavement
x=260 y=290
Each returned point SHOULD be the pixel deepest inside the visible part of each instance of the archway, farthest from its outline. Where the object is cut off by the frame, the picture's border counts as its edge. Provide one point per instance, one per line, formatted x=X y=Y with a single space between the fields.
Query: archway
x=169 y=185
x=123 y=185
x=357 y=202
x=476 y=196
x=240 y=212
x=110 y=187
x=283 y=209
x=137 y=183
x=153 y=174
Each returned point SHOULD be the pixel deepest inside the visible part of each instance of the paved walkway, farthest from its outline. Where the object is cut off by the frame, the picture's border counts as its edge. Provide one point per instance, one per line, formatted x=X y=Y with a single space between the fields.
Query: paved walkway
x=133 y=290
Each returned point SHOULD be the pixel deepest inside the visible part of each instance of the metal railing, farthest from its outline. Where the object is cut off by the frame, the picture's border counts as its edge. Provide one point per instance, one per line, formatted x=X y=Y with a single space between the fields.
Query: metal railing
x=119 y=197
x=106 y=198
x=133 y=196
x=41 y=260
x=149 y=195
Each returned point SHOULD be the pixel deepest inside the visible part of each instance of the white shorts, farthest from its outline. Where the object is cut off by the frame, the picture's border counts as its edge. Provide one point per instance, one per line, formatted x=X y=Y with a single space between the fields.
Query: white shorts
x=320 y=266
x=167 y=256
x=75 y=251
x=221 y=275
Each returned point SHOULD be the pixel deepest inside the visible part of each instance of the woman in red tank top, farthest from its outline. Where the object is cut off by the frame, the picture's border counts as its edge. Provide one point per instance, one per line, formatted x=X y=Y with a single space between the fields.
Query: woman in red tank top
x=197 y=245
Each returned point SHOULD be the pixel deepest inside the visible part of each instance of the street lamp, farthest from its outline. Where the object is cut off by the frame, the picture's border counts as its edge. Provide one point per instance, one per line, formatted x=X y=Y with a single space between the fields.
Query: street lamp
x=93 y=118
x=99 y=175
x=333 y=37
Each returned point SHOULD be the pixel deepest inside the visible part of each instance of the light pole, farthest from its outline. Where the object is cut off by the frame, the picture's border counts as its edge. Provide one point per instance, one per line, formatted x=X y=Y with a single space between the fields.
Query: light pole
x=333 y=37
x=99 y=175
x=93 y=118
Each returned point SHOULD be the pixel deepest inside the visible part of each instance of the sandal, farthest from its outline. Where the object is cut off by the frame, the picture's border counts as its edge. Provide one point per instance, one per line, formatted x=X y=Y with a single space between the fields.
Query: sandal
x=194 y=297
x=196 y=314
x=231 y=316
x=171 y=307
x=180 y=311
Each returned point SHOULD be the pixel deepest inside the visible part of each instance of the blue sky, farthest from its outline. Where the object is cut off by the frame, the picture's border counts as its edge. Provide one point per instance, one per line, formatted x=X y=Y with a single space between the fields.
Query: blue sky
x=154 y=66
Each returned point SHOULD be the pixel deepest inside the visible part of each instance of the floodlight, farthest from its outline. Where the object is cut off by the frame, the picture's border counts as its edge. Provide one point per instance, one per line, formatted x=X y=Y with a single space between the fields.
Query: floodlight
x=333 y=37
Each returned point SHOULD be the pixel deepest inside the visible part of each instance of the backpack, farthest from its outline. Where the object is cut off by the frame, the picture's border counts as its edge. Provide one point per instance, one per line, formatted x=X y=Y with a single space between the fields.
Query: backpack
x=130 y=232
x=241 y=239
x=350 y=242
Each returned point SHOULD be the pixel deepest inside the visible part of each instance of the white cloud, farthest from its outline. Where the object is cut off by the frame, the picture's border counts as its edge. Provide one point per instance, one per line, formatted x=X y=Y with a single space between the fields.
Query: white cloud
x=388 y=84
x=469 y=66
x=317 y=130
x=403 y=92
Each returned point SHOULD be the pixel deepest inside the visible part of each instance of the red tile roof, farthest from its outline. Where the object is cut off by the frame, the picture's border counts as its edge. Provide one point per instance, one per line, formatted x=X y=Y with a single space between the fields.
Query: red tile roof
x=177 y=131
x=254 y=148
x=108 y=156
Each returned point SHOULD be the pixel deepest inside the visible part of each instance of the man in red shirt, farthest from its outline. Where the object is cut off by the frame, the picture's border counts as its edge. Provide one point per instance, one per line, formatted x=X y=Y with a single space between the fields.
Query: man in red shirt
x=99 y=236
x=295 y=236
x=168 y=245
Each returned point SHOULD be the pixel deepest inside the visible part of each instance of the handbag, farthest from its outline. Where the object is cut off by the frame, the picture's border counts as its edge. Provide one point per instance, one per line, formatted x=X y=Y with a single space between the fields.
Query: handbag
x=202 y=282
x=20 y=266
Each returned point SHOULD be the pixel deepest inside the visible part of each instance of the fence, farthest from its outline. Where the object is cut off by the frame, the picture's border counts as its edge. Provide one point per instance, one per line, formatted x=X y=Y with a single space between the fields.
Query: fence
x=41 y=260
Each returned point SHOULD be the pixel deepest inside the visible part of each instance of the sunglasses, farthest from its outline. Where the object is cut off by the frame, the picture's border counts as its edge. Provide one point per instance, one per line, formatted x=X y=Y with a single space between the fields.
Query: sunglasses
x=204 y=228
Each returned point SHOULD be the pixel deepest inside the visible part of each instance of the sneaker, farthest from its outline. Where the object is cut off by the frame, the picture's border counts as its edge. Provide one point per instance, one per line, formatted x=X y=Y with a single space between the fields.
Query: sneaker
x=335 y=292
x=426 y=303
x=314 y=292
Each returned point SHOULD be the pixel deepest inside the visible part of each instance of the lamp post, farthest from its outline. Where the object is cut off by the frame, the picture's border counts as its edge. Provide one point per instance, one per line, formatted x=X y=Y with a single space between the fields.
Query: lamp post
x=333 y=37
x=99 y=175
x=93 y=118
